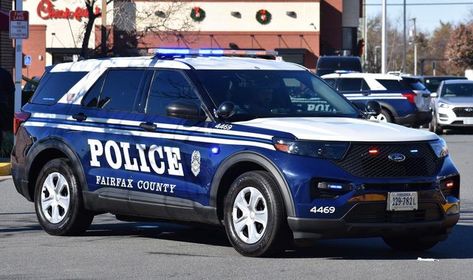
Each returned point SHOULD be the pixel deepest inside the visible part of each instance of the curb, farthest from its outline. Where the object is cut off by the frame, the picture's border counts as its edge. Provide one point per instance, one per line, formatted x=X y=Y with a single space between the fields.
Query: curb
x=5 y=168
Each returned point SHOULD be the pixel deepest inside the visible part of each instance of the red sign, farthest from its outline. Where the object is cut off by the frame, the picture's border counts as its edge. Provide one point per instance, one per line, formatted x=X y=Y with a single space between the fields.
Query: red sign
x=19 y=25
x=47 y=10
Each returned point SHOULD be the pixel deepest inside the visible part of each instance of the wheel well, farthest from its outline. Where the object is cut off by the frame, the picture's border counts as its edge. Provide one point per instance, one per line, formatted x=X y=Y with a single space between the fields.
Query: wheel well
x=40 y=160
x=227 y=179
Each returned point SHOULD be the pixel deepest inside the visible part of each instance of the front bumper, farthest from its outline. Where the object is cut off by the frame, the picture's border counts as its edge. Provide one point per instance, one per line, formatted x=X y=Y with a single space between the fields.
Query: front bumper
x=304 y=228
x=446 y=117
x=415 y=119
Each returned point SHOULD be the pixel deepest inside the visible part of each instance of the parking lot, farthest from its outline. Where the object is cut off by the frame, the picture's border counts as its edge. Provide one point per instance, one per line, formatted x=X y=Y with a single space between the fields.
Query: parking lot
x=113 y=249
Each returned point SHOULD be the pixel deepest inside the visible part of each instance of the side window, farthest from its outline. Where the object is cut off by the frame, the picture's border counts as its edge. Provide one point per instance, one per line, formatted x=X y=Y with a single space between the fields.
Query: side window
x=120 y=89
x=332 y=82
x=364 y=86
x=350 y=84
x=92 y=97
x=169 y=86
x=54 y=85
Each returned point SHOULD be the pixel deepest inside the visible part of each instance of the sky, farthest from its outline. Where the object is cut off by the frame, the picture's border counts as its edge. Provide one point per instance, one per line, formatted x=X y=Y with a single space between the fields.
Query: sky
x=427 y=16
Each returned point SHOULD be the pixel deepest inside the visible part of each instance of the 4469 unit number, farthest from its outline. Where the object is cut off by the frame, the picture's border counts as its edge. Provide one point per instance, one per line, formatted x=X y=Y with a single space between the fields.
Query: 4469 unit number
x=323 y=210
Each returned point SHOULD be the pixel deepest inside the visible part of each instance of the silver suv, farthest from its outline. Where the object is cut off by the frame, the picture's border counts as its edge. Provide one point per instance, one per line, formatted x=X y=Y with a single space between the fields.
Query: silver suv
x=452 y=105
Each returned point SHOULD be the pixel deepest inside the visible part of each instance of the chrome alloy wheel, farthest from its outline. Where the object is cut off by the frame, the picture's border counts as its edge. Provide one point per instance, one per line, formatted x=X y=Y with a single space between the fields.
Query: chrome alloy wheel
x=381 y=118
x=250 y=215
x=55 y=197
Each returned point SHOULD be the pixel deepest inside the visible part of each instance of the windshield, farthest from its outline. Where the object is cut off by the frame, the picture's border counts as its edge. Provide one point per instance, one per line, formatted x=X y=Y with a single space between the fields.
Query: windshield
x=457 y=90
x=274 y=93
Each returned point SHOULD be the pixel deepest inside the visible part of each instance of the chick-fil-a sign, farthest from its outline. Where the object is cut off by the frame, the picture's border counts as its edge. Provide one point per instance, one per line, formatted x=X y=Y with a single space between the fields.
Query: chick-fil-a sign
x=47 y=10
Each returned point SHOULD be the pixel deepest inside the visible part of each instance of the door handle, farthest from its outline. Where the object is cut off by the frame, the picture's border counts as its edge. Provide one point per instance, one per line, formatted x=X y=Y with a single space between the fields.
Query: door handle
x=79 y=117
x=148 y=126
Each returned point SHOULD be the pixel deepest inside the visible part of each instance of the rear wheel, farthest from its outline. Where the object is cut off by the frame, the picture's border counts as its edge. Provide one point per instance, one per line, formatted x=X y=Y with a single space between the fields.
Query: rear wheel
x=254 y=215
x=384 y=116
x=409 y=243
x=58 y=200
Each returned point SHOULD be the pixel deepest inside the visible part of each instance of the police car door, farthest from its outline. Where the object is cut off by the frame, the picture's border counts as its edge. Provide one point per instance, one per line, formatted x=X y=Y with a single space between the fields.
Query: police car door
x=171 y=179
x=106 y=143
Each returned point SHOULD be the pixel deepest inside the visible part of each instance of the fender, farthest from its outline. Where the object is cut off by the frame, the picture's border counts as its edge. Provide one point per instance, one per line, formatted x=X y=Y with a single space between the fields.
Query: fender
x=266 y=164
x=57 y=144
x=389 y=107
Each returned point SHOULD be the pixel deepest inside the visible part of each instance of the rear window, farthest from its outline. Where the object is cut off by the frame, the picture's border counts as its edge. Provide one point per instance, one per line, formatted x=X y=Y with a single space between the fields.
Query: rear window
x=394 y=85
x=413 y=84
x=54 y=85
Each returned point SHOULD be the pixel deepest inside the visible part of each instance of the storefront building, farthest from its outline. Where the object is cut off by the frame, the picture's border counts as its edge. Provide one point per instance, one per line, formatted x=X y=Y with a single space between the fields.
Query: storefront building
x=300 y=30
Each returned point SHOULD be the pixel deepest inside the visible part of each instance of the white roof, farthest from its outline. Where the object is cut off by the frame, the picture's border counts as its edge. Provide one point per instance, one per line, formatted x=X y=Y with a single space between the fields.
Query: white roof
x=96 y=67
x=362 y=75
x=200 y=63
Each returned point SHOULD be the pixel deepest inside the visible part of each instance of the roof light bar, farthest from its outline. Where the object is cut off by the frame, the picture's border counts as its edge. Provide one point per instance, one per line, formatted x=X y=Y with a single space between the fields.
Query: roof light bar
x=165 y=52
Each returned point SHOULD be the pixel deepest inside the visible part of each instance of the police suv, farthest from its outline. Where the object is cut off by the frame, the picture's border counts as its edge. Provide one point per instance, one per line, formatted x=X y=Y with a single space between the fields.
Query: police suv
x=263 y=147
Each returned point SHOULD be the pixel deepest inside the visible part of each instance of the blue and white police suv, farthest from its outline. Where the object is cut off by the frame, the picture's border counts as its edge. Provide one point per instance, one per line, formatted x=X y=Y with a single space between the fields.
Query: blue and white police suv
x=263 y=147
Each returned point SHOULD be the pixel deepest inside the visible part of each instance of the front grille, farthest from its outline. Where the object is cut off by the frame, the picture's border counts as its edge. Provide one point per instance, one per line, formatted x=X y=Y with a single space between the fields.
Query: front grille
x=420 y=160
x=376 y=213
x=463 y=111
x=408 y=187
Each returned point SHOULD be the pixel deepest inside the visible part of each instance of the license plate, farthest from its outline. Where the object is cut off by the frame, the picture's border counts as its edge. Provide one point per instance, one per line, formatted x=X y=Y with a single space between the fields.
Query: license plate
x=468 y=121
x=402 y=201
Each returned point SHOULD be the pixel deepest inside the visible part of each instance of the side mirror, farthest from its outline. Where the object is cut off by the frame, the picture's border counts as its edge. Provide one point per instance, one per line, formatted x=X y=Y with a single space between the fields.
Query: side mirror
x=226 y=110
x=434 y=95
x=373 y=108
x=183 y=110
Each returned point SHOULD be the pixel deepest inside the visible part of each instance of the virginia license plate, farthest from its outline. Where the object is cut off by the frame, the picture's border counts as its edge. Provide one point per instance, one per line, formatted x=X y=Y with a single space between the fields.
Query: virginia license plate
x=402 y=201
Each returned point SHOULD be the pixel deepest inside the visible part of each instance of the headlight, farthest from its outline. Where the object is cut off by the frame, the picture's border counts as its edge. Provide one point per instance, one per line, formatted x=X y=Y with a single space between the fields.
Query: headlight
x=317 y=149
x=443 y=105
x=440 y=148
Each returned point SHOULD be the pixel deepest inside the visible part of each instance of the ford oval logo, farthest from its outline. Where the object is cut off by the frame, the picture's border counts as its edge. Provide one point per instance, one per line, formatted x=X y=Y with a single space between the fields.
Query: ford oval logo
x=397 y=157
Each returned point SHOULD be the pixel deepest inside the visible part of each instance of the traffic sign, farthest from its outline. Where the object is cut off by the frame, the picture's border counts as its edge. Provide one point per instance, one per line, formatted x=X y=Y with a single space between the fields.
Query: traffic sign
x=19 y=24
x=27 y=60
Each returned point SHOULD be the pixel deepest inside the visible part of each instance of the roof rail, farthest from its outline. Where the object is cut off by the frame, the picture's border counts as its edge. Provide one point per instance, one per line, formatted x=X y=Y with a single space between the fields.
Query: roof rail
x=170 y=53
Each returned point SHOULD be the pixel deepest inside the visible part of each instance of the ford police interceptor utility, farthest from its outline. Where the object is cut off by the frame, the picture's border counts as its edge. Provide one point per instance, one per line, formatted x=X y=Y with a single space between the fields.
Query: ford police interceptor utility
x=263 y=147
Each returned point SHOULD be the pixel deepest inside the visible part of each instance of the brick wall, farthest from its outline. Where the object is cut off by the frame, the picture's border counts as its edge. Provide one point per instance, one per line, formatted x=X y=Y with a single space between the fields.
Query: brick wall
x=35 y=46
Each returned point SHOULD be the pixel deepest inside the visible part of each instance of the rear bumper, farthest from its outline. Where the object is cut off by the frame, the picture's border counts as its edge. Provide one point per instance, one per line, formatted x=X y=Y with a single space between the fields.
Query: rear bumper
x=304 y=228
x=415 y=119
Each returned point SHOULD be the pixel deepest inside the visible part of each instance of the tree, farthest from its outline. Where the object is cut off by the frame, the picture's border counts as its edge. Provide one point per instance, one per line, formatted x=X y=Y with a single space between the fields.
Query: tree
x=459 y=50
x=92 y=15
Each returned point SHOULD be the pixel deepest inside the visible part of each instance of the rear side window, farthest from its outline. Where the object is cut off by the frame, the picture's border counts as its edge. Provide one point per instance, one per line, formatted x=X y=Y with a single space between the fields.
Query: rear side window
x=54 y=85
x=394 y=85
x=354 y=84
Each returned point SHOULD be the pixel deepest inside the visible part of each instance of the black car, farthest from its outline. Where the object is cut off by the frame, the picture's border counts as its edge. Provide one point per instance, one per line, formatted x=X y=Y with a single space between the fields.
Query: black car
x=330 y=64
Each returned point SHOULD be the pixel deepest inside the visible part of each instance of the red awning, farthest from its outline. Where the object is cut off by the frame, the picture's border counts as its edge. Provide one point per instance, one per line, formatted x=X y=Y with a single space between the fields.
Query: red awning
x=4 y=18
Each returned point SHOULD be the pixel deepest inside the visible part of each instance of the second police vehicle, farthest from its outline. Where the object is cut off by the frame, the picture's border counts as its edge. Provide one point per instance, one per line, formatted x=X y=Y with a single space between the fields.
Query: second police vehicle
x=263 y=148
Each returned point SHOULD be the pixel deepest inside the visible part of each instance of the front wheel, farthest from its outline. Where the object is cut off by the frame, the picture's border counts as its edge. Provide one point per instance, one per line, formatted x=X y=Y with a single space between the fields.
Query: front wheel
x=254 y=215
x=384 y=116
x=58 y=200
x=434 y=126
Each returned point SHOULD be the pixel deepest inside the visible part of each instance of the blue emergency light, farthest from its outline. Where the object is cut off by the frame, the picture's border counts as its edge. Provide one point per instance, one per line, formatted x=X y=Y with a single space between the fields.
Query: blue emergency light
x=176 y=52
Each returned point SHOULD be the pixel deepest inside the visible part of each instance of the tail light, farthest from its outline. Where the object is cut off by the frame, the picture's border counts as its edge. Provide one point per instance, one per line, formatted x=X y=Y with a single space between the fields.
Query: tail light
x=19 y=118
x=411 y=97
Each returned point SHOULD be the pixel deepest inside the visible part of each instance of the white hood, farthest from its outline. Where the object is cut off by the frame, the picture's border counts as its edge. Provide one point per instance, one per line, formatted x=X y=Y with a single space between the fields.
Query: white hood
x=342 y=129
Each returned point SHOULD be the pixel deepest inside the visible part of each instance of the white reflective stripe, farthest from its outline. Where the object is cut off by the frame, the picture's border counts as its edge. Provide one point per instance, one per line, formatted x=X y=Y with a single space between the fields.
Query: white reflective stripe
x=211 y=140
x=368 y=97
x=158 y=125
x=374 y=95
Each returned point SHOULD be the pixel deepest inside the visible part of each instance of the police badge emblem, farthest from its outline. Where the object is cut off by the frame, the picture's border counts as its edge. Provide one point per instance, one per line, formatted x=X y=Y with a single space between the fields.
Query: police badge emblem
x=195 y=163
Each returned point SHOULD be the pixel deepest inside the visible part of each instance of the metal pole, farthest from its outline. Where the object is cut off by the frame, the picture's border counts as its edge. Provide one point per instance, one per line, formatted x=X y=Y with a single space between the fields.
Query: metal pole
x=404 y=49
x=365 y=37
x=18 y=63
x=383 y=39
x=415 y=46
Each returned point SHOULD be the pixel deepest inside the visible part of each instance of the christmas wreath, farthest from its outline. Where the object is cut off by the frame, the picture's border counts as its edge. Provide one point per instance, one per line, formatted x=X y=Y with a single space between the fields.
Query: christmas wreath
x=197 y=14
x=263 y=16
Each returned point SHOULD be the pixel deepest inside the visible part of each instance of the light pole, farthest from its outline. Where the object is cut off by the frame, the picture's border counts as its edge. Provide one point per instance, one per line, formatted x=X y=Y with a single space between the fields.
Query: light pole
x=404 y=50
x=18 y=63
x=414 y=41
x=383 y=39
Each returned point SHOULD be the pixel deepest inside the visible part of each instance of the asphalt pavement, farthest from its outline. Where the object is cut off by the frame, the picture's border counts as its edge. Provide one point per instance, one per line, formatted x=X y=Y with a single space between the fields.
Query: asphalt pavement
x=118 y=250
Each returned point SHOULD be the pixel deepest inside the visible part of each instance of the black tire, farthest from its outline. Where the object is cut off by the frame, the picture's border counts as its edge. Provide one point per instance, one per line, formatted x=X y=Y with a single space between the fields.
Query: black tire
x=274 y=239
x=387 y=114
x=412 y=243
x=434 y=126
x=76 y=219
